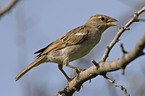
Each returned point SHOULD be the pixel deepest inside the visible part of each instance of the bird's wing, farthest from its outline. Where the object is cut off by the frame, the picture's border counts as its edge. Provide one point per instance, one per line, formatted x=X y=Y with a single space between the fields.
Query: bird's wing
x=75 y=36
x=43 y=49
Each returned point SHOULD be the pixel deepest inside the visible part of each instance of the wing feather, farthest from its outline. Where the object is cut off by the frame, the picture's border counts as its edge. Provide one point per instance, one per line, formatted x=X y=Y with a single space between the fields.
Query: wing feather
x=73 y=37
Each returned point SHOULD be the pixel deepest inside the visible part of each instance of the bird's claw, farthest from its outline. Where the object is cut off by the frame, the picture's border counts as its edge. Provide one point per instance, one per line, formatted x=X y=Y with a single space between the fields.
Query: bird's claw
x=77 y=71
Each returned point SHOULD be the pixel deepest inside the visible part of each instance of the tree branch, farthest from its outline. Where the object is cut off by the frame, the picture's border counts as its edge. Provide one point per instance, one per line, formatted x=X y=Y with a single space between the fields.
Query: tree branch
x=120 y=31
x=116 y=85
x=8 y=6
x=102 y=68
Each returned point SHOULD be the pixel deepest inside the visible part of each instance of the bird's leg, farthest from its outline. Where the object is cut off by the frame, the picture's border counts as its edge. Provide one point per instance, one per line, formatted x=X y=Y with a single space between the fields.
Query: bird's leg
x=66 y=61
x=60 y=68
x=78 y=69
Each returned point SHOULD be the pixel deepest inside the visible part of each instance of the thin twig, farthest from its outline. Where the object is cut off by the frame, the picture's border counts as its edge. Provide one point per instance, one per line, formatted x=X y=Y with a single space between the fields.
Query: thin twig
x=120 y=31
x=122 y=49
x=95 y=63
x=141 y=19
x=124 y=52
x=123 y=71
x=116 y=85
x=8 y=6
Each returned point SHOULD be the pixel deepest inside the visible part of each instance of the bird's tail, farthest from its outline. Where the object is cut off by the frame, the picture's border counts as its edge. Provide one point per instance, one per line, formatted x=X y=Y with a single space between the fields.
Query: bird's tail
x=38 y=61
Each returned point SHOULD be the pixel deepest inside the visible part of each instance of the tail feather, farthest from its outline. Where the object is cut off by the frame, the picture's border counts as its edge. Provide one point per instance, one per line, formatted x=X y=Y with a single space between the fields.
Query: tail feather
x=38 y=61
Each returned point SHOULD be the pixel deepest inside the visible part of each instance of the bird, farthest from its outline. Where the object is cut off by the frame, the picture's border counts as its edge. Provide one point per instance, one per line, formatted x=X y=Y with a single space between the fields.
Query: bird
x=73 y=45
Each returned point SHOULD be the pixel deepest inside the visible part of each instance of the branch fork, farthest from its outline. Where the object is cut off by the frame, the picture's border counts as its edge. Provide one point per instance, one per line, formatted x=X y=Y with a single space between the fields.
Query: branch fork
x=102 y=67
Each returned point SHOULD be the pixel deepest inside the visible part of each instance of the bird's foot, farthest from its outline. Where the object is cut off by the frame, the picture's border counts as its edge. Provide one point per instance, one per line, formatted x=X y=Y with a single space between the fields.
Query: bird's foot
x=77 y=72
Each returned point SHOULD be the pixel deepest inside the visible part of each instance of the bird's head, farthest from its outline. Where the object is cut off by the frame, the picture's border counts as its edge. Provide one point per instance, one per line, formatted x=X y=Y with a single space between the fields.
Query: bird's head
x=101 y=21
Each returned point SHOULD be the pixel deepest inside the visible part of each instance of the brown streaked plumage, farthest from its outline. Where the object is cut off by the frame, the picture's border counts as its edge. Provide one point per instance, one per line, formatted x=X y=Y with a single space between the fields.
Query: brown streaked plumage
x=73 y=45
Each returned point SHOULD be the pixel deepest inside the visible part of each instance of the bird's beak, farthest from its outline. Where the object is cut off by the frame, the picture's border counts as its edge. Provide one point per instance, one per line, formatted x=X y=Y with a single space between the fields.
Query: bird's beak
x=109 y=22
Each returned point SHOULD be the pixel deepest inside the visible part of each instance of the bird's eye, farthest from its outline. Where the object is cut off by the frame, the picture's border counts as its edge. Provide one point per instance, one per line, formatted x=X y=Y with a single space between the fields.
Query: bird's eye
x=102 y=18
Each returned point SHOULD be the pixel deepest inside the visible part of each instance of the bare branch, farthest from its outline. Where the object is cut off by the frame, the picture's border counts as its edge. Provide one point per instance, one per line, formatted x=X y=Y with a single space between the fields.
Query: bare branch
x=141 y=19
x=122 y=49
x=8 y=6
x=95 y=63
x=116 y=85
x=101 y=68
x=120 y=31
x=104 y=67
